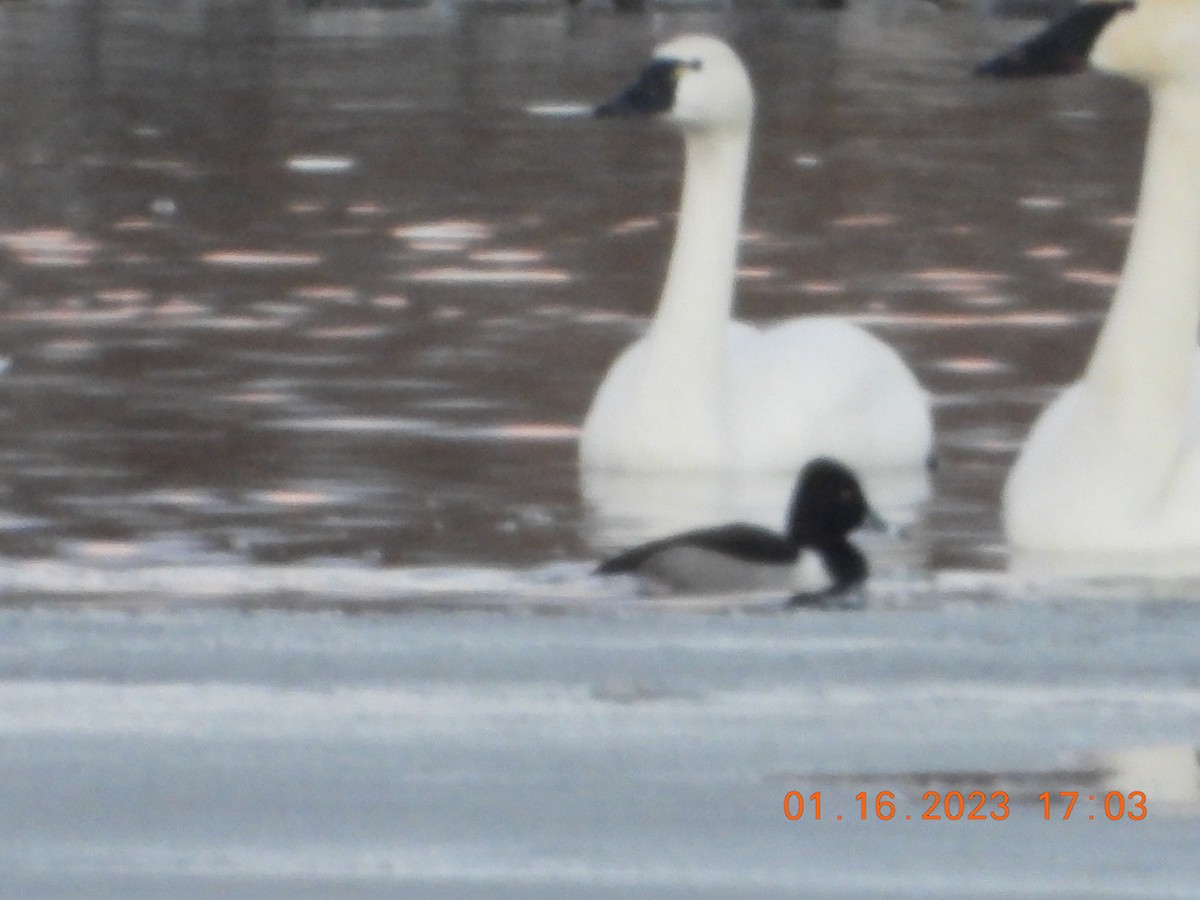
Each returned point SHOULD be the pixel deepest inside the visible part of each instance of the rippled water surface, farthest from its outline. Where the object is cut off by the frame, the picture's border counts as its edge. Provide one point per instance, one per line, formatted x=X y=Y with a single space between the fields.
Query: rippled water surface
x=285 y=284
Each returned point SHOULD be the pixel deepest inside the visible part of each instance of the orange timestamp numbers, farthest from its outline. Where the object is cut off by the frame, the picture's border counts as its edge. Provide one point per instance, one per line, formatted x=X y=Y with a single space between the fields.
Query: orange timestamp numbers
x=971 y=806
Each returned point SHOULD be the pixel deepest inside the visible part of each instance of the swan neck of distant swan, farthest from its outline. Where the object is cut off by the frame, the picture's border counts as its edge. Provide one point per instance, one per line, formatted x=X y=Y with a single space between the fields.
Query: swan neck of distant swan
x=1144 y=363
x=697 y=298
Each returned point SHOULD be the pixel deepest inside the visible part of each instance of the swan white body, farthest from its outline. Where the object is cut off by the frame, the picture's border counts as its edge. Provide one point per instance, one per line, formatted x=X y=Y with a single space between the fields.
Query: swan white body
x=702 y=392
x=1113 y=464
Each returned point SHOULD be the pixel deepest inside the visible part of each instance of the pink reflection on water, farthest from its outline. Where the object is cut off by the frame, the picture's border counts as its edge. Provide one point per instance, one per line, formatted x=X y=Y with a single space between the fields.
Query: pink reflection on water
x=436 y=246
x=973 y=320
x=453 y=231
x=260 y=259
x=507 y=257
x=1048 y=251
x=49 y=247
x=986 y=301
x=390 y=301
x=1093 y=277
x=958 y=281
x=326 y=293
x=75 y=316
x=1042 y=203
x=181 y=307
x=349 y=332
x=459 y=275
x=822 y=288
x=124 y=295
x=180 y=497
x=598 y=317
x=865 y=220
x=135 y=223
x=972 y=365
x=320 y=165
x=261 y=398
x=755 y=273
x=634 y=226
x=537 y=431
x=292 y=497
x=105 y=550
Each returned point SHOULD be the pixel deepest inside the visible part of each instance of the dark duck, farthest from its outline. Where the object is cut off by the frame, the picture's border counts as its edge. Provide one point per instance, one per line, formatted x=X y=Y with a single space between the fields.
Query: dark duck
x=814 y=560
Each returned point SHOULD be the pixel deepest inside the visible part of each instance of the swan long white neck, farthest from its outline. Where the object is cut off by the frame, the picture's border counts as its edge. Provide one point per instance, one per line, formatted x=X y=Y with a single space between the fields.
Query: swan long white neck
x=1144 y=362
x=704 y=261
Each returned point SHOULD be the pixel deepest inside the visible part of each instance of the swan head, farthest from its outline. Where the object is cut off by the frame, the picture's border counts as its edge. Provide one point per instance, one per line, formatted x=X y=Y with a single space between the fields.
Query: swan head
x=1150 y=41
x=695 y=81
x=1154 y=42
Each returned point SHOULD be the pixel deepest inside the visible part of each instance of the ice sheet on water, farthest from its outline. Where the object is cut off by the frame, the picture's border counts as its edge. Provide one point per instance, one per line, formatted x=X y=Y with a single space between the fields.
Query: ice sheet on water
x=152 y=575
x=101 y=576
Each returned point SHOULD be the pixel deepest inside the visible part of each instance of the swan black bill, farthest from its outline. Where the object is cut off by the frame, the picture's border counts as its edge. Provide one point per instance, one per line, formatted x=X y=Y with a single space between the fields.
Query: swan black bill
x=1061 y=49
x=652 y=93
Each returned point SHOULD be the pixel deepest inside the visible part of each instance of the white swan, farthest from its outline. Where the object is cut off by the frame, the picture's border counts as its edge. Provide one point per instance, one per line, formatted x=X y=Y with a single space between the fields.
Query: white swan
x=1113 y=463
x=699 y=392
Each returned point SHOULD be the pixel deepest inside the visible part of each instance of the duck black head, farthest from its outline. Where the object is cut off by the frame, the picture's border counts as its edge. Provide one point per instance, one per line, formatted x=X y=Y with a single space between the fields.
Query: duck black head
x=828 y=503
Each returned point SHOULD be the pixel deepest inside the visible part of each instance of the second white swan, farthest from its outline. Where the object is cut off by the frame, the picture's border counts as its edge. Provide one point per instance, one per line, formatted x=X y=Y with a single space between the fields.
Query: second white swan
x=1113 y=464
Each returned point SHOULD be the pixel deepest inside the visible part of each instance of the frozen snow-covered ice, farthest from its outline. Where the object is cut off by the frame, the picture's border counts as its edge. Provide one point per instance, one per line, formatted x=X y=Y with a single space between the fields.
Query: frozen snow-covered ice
x=638 y=751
